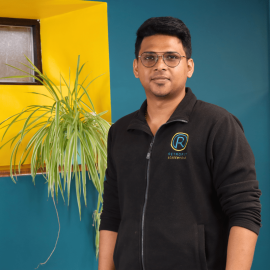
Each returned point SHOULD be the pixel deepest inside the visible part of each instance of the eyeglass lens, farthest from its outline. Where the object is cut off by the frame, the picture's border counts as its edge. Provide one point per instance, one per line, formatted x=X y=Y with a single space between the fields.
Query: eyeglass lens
x=171 y=59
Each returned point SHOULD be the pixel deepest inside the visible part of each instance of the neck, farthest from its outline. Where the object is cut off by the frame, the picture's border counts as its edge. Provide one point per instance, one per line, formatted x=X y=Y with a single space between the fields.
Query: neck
x=160 y=110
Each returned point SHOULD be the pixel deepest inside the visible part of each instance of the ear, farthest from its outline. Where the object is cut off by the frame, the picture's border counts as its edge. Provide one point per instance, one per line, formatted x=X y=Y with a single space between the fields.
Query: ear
x=135 y=68
x=190 y=65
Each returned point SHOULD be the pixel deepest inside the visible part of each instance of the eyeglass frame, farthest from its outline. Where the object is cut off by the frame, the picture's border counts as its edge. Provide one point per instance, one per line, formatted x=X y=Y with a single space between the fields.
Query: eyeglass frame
x=157 y=58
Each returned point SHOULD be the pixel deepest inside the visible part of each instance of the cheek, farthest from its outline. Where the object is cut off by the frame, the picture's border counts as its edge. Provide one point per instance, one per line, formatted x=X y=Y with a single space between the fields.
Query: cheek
x=179 y=74
x=144 y=75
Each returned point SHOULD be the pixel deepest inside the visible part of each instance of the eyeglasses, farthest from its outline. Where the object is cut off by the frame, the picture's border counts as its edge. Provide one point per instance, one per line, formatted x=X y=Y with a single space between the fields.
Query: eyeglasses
x=171 y=59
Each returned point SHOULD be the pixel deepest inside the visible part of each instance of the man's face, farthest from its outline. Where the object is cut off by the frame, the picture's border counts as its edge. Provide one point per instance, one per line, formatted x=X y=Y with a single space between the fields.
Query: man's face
x=176 y=77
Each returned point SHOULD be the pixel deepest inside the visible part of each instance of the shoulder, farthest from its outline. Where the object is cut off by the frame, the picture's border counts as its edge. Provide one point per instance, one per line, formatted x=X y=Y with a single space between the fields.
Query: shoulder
x=123 y=122
x=214 y=114
x=210 y=111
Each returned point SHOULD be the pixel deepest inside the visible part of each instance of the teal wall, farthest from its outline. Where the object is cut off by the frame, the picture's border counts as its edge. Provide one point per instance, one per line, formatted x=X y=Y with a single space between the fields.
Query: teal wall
x=29 y=227
x=230 y=41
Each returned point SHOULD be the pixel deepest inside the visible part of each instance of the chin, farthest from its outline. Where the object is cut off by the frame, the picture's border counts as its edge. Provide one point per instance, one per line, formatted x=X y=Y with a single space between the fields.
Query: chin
x=161 y=93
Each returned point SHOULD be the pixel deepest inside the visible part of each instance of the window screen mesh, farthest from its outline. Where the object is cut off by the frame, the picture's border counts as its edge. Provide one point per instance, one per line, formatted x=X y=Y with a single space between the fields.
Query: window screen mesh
x=15 y=42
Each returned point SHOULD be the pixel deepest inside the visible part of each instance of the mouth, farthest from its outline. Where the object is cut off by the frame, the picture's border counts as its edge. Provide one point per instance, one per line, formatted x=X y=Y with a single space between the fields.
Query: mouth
x=160 y=80
x=160 y=77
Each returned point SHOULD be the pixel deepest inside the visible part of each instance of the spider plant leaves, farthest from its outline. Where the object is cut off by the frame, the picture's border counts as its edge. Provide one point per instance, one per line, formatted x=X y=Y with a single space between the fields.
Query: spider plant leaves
x=93 y=107
x=69 y=139
x=71 y=131
x=35 y=93
x=22 y=76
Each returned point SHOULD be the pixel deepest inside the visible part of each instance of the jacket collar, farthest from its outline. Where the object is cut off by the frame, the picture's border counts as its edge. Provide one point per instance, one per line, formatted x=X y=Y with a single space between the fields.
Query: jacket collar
x=182 y=112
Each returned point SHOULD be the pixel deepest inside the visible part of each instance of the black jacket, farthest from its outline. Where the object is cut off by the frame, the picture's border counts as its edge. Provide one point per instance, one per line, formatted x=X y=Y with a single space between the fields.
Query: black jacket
x=173 y=197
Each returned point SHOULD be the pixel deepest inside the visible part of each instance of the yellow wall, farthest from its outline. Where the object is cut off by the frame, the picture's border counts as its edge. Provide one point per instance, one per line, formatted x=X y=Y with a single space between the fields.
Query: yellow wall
x=87 y=37
x=83 y=31
x=40 y=9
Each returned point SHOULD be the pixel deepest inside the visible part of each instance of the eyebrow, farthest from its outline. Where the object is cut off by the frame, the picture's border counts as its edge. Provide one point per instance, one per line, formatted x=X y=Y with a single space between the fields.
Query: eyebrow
x=160 y=52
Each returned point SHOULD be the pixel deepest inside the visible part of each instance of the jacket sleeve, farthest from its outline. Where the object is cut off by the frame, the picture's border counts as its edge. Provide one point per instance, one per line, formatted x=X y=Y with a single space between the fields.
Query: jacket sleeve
x=234 y=175
x=110 y=217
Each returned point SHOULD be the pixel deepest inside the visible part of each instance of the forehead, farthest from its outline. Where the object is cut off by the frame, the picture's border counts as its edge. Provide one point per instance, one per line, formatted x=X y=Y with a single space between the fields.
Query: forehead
x=162 y=43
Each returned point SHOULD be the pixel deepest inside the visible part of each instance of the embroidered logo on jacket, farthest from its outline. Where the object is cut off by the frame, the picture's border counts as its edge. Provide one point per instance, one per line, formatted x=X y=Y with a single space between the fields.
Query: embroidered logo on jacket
x=179 y=141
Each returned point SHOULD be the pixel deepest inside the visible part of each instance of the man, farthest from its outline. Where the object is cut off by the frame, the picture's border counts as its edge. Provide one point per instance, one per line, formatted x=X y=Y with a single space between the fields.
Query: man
x=181 y=190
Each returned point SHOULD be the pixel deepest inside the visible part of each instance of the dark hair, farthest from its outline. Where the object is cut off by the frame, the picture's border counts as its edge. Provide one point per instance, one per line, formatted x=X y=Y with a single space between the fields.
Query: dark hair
x=167 y=26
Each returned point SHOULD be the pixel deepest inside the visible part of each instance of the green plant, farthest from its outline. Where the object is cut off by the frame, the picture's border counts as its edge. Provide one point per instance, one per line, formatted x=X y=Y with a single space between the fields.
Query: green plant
x=66 y=131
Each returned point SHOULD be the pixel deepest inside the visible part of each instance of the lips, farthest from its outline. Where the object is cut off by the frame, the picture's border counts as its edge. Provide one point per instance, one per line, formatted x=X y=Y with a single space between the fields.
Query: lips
x=160 y=78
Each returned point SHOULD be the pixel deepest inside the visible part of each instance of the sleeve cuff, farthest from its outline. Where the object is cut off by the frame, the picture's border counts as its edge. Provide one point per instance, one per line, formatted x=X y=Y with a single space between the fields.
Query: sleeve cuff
x=109 y=224
x=245 y=224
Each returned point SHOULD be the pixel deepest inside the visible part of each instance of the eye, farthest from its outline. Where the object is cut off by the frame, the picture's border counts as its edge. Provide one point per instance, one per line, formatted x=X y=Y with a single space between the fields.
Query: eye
x=149 y=57
x=172 y=56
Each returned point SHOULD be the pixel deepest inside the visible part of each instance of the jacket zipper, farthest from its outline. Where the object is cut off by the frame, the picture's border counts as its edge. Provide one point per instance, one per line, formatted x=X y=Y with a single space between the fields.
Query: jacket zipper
x=147 y=180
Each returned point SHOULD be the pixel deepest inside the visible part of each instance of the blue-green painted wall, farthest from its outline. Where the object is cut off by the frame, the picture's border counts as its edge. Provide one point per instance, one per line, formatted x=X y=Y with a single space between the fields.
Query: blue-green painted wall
x=230 y=42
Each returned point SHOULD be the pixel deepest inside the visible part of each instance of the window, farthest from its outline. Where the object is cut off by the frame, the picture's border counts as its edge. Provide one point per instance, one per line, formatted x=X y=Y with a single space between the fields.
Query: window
x=19 y=37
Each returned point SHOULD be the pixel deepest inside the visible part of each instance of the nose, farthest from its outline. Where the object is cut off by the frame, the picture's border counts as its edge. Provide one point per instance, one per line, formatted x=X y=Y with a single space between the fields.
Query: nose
x=160 y=63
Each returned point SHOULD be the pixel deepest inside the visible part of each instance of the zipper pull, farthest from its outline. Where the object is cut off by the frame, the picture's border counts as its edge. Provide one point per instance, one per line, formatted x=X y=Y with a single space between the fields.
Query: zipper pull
x=149 y=151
